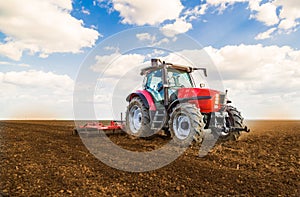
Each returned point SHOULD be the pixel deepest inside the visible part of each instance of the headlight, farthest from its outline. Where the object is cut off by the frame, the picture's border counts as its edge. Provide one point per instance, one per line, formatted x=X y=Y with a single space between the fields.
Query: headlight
x=217 y=101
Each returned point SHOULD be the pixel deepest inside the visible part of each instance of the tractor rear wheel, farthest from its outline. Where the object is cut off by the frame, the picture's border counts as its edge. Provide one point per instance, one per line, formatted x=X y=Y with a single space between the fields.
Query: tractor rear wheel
x=137 y=119
x=234 y=120
x=186 y=124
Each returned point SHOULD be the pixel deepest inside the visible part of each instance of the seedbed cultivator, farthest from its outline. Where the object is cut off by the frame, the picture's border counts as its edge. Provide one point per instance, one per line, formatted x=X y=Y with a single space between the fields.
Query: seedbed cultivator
x=91 y=128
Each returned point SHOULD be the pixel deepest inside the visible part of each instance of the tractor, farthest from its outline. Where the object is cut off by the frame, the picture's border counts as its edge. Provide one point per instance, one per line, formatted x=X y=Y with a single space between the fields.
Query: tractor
x=170 y=102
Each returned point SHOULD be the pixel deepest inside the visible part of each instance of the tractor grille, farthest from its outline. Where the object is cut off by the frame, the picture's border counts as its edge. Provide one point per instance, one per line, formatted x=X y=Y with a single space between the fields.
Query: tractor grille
x=222 y=99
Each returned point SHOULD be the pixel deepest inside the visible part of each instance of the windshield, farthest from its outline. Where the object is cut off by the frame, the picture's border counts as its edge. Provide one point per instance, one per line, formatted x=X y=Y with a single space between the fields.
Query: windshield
x=181 y=79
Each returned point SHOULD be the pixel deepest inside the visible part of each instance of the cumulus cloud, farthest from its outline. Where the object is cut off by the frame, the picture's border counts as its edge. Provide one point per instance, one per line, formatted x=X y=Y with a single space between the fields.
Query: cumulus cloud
x=194 y=13
x=287 y=24
x=40 y=79
x=146 y=37
x=223 y=4
x=14 y=64
x=116 y=64
x=35 y=94
x=265 y=13
x=147 y=12
x=282 y=14
x=290 y=13
x=119 y=76
x=260 y=78
x=42 y=27
x=266 y=34
x=178 y=27
x=248 y=61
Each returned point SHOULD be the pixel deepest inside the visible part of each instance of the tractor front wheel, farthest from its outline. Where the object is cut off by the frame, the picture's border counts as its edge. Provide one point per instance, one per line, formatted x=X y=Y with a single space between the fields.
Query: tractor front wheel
x=137 y=119
x=234 y=120
x=186 y=124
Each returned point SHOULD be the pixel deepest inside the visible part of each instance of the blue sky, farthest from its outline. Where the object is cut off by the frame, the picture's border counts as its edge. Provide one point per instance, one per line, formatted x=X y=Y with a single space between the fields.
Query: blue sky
x=254 y=44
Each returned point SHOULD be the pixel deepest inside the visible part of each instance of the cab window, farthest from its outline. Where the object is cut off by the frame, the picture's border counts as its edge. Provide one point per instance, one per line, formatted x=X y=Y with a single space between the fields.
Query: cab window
x=154 y=80
x=179 y=79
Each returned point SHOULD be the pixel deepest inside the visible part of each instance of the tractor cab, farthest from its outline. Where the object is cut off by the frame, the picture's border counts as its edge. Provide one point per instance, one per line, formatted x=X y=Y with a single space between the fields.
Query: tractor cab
x=174 y=80
x=164 y=80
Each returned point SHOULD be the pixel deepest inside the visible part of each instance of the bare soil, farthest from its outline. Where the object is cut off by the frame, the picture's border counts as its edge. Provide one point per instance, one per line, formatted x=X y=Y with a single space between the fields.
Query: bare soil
x=43 y=158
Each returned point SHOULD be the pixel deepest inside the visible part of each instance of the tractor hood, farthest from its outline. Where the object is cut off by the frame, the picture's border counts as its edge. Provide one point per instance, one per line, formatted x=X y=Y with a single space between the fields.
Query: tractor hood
x=207 y=99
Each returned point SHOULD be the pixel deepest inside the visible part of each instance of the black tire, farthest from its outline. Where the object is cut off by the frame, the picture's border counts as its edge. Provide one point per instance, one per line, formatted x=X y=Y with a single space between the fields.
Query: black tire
x=140 y=128
x=235 y=119
x=75 y=132
x=190 y=120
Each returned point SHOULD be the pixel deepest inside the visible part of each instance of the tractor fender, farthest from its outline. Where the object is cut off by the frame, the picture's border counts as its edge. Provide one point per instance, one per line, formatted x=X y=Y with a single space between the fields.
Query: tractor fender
x=146 y=98
x=172 y=105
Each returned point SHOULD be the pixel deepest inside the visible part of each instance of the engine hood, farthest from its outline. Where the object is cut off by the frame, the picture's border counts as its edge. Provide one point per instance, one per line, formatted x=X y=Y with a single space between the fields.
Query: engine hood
x=208 y=100
x=194 y=92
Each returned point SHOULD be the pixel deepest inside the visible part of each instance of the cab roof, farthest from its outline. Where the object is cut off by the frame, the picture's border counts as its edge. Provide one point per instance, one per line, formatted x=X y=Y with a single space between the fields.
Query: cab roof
x=147 y=70
x=163 y=64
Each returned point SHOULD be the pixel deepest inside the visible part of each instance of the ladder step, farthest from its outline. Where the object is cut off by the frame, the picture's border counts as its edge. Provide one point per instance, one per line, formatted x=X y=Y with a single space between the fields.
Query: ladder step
x=156 y=124
x=158 y=118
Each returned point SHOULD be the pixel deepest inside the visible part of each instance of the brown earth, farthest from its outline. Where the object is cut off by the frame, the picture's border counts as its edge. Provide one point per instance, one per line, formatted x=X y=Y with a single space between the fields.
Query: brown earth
x=42 y=158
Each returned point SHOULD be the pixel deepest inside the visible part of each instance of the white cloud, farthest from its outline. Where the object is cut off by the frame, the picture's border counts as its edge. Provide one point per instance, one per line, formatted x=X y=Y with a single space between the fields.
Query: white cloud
x=287 y=24
x=33 y=78
x=146 y=37
x=266 y=34
x=147 y=12
x=265 y=13
x=290 y=9
x=85 y=11
x=162 y=41
x=192 y=14
x=116 y=64
x=120 y=74
x=223 y=4
x=289 y=13
x=260 y=78
x=283 y=14
x=35 y=94
x=178 y=27
x=42 y=27
x=14 y=64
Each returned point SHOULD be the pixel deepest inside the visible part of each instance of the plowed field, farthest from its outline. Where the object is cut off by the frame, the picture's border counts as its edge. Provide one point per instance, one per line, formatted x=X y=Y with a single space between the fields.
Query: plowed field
x=43 y=158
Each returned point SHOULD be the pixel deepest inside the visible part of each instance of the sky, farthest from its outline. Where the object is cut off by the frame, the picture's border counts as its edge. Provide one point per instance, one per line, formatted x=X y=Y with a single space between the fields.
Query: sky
x=44 y=45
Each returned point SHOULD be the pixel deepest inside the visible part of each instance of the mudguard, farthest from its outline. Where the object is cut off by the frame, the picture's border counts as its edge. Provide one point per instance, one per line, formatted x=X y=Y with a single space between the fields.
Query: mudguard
x=146 y=98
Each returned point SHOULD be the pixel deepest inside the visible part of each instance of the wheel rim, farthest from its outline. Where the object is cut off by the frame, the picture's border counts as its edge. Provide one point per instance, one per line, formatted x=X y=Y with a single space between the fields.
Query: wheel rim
x=182 y=126
x=135 y=119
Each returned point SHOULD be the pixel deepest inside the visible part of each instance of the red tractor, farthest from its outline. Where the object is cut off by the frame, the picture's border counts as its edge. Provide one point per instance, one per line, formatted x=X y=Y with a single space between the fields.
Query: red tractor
x=171 y=102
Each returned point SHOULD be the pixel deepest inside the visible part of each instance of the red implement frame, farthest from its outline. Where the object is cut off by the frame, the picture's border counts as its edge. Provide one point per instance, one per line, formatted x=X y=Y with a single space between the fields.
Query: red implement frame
x=96 y=126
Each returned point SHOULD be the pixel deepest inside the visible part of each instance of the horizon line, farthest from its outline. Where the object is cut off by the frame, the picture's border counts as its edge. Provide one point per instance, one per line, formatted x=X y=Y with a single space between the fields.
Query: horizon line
x=58 y=119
